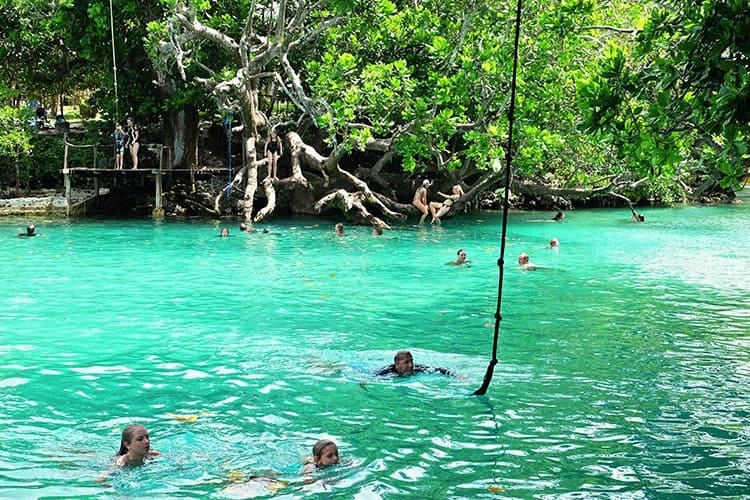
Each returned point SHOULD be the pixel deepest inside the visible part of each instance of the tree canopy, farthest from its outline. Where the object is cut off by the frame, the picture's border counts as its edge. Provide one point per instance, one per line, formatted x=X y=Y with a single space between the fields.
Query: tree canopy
x=644 y=99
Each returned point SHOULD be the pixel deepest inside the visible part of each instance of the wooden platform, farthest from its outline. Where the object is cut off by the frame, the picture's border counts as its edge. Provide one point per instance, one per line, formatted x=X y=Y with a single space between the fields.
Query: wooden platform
x=111 y=172
x=103 y=175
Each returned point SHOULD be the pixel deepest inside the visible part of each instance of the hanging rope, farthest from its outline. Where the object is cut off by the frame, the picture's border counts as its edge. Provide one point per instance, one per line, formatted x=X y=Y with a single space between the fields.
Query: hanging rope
x=228 y=127
x=508 y=158
x=114 y=61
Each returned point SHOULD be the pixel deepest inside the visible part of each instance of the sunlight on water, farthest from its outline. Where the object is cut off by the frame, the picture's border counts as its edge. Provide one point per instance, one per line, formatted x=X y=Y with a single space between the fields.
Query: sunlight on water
x=623 y=369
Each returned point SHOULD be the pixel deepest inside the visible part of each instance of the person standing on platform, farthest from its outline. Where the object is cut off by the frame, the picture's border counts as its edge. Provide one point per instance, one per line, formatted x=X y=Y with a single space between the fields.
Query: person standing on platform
x=119 y=146
x=132 y=143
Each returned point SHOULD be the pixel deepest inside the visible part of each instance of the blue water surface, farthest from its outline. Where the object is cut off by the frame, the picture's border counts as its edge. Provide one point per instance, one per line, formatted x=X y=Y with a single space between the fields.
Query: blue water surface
x=623 y=361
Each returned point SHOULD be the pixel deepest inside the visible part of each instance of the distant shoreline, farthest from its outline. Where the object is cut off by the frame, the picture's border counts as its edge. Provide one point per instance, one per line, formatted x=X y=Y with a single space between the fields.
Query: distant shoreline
x=51 y=202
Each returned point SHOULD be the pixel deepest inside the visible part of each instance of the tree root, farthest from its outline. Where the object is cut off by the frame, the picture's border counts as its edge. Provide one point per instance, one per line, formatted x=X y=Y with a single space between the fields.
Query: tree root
x=351 y=204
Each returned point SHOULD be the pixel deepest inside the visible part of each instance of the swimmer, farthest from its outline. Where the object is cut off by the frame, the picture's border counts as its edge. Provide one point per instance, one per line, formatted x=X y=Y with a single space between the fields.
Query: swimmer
x=339 y=229
x=523 y=261
x=636 y=216
x=460 y=259
x=559 y=216
x=403 y=366
x=224 y=232
x=30 y=232
x=377 y=231
x=135 y=447
x=324 y=453
x=554 y=244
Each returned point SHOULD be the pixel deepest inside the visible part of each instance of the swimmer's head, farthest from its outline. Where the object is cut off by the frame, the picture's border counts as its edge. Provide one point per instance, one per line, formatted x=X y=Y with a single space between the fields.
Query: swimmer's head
x=403 y=363
x=325 y=453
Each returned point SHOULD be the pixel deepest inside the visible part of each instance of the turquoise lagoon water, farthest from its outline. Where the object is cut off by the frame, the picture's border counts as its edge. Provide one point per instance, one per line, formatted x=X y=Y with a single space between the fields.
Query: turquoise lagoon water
x=623 y=371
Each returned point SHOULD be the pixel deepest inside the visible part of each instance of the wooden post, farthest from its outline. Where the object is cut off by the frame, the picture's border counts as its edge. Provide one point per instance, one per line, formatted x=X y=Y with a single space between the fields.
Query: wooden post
x=158 y=212
x=66 y=178
x=192 y=178
x=65 y=155
x=68 y=189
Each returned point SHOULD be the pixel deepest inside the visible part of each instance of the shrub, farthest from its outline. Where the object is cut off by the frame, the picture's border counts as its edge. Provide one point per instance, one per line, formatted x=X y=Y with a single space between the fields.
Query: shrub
x=44 y=164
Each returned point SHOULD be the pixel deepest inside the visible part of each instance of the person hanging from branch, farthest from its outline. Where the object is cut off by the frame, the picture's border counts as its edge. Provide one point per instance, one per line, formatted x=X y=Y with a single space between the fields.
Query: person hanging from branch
x=636 y=216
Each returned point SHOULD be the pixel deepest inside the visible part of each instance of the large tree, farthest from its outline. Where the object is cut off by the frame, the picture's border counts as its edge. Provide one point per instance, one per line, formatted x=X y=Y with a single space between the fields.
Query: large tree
x=60 y=47
x=422 y=86
x=678 y=106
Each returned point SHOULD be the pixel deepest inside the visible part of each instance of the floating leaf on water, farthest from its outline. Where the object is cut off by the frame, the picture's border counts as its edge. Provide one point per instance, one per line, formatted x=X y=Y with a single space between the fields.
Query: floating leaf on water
x=236 y=476
x=182 y=418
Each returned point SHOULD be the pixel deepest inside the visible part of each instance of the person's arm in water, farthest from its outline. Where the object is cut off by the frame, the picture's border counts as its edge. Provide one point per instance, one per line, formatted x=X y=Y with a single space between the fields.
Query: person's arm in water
x=636 y=216
x=433 y=369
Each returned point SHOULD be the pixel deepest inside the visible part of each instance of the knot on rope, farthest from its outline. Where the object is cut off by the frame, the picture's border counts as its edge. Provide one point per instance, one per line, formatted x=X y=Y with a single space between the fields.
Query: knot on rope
x=500 y=262
x=498 y=316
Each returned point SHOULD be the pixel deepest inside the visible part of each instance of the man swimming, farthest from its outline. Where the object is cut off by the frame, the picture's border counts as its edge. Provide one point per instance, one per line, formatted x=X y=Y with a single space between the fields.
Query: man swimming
x=403 y=366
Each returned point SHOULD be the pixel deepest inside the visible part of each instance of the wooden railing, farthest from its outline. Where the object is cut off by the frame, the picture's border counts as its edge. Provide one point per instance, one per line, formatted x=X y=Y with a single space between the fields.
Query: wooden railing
x=162 y=152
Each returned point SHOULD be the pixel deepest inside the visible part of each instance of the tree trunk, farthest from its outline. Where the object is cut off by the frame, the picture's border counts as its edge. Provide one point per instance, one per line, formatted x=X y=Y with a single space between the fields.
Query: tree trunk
x=182 y=136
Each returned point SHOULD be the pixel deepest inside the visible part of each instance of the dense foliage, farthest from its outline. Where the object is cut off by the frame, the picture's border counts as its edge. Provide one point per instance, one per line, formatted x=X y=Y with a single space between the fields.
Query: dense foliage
x=677 y=105
x=646 y=99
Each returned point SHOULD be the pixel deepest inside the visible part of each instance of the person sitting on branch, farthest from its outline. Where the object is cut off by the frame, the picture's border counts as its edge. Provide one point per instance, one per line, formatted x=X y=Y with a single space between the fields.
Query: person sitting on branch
x=438 y=209
x=420 y=199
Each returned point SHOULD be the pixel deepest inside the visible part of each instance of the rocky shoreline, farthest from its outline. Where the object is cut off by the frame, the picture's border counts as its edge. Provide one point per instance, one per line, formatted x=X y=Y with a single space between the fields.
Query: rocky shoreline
x=53 y=202
x=44 y=202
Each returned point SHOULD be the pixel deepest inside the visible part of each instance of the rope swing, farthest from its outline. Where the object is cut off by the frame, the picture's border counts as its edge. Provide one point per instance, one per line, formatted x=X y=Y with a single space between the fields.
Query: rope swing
x=114 y=60
x=508 y=157
x=228 y=127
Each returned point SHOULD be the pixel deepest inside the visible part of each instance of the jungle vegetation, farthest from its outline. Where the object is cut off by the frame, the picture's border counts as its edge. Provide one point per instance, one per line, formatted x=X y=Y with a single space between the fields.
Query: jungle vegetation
x=616 y=99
